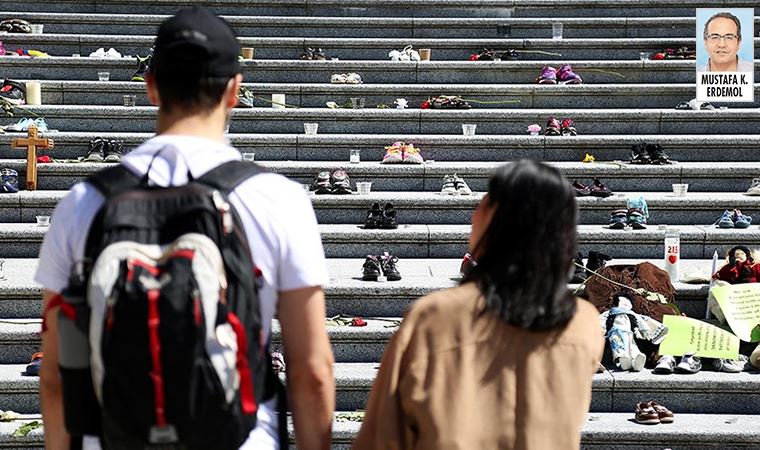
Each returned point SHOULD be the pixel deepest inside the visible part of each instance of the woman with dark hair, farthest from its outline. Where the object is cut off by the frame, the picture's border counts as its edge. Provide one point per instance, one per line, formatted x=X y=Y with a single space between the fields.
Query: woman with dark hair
x=504 y=360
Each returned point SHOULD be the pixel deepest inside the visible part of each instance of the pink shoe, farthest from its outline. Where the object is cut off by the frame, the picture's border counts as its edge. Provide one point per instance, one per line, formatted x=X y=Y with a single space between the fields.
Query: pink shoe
x=412 y=155
x=394 y=153
x=565 y=75
x=548 y=76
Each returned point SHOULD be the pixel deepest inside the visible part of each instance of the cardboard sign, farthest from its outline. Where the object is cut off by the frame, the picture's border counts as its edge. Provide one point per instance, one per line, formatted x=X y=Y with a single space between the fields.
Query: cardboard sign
x=725 y=55
x=740 y=303
x=687 y=335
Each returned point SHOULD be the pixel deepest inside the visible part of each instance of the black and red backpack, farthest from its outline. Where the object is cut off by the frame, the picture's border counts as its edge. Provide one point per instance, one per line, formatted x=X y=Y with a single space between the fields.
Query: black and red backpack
x=160 y=329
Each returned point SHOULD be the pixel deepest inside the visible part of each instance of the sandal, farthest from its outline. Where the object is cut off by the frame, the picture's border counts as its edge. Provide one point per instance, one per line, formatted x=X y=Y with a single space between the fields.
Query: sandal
x=33 y=369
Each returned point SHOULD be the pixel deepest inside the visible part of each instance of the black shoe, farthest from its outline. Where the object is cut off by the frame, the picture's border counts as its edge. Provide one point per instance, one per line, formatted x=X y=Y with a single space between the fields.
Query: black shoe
x=579 y=272
x=599 y=189
x=581 y=190
x=388 y=264
x=13 y=92
x=374 y=217
x=389 y=217
x=657 y=154
x=308 y=54
x=143 y=64
x=371 y=269
x=639 y=154
x=321 y=183
x=97 y=151
x=114 y=151
x=596 y=261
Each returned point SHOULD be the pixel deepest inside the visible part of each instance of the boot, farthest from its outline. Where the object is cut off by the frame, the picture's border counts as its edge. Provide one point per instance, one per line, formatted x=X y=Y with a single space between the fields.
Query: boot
x=579 y=273
x=596 y=261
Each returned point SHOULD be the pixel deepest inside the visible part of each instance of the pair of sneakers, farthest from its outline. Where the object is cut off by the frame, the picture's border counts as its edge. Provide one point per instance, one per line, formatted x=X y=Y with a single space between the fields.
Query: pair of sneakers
x=25 y=123
x=689 y=364
x=346 y=78
x=376 y=266
x=105 y=150
x=378 y=217
x=649 y=154
x=635 y=215
x=564 y=128
x=563 y=75
x=455 y=185
x=336 y=182
x=734 y=219
x=400 y=152
x=595 y=189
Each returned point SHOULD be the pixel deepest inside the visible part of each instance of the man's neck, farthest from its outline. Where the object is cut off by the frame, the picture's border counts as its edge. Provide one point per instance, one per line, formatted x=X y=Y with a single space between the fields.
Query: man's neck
x=733 y=66
x=209 y=126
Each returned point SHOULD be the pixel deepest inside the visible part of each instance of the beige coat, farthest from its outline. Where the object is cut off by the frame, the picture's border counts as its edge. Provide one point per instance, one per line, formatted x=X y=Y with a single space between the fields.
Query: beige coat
x=452 y=378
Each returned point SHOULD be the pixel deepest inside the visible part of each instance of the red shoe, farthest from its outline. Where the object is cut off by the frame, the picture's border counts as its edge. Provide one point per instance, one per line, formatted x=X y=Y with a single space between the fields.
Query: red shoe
x=553 y=127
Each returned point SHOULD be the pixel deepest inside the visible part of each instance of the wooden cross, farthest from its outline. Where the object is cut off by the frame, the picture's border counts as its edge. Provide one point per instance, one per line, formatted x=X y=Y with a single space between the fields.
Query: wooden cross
x=32 y=143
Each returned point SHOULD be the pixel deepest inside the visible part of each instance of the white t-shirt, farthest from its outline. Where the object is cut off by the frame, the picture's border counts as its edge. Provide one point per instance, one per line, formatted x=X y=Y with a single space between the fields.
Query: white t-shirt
x=277 y=216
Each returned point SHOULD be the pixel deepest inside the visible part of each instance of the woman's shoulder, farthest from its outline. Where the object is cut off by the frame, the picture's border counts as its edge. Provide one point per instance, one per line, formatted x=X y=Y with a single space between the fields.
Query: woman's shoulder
x=451 y=302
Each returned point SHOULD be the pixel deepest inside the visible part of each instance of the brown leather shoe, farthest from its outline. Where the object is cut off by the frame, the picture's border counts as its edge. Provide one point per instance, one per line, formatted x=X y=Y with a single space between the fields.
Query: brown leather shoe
x=665 y=415
x=646 y=415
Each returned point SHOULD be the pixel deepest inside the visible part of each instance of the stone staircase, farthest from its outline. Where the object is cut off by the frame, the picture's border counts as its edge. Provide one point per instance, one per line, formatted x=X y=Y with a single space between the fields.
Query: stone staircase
x=624 y=101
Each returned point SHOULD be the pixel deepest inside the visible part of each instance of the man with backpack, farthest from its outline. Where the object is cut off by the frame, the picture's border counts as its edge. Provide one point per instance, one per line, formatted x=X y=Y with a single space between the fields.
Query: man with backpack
x=161 y=277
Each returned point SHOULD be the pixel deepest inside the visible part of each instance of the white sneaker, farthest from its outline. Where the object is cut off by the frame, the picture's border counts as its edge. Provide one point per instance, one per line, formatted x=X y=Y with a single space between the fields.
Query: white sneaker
x=112 y=53
x=99 y=53
x=754 y=188
x=449 y=185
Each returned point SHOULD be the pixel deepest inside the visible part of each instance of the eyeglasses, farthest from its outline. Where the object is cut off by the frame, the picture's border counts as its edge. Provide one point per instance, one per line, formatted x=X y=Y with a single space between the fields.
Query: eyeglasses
x=728 y=38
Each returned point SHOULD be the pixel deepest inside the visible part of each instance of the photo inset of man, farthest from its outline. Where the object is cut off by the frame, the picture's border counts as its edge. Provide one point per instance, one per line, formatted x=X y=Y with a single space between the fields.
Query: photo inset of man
x=723 y=36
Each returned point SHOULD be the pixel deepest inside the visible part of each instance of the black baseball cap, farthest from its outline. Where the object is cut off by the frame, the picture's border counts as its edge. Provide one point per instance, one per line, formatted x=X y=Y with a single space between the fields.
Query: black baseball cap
x=195 y=43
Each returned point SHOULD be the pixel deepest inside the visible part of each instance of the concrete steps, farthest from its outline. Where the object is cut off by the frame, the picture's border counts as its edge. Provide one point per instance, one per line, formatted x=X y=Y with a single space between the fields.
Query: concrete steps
x=347 y=293
x=436 y=208
x=608 y=431
x=315 y=95
x=393 y=8
x=693 y=152
x=725 y=179
x=401 y=26
x=411 y=121
x=290 y=68
x=623 y=101
x=22 y=240
x=611 y=391
x=369 y=48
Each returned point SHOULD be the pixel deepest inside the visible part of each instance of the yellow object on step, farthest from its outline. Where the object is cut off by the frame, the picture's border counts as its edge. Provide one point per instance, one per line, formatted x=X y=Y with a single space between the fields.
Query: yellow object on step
x=589 y=158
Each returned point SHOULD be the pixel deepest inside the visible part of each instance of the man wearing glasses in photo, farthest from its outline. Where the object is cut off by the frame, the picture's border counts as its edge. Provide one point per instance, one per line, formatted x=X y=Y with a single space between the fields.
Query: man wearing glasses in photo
x=723 y=36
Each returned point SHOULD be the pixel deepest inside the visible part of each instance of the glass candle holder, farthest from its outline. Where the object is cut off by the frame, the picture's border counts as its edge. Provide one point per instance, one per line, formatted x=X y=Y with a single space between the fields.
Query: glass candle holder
x=310 y=128
x=355 y=156
x=104 y=76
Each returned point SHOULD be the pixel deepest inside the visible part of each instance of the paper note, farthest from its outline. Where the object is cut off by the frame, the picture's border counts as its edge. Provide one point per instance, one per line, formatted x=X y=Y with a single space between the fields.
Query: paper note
x=740 y=304
x=687 y=335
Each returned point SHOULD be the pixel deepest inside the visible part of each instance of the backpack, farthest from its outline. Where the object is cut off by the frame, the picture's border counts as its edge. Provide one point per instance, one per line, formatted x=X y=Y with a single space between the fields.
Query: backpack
x=160 y=331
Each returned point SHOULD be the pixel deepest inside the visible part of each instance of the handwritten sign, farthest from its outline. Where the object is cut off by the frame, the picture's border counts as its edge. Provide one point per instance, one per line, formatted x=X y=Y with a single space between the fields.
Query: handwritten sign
x=740 y=303
x=687 y=335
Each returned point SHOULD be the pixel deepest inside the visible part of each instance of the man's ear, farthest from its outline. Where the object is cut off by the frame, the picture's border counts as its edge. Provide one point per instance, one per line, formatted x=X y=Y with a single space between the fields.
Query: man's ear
x=231 y=93
x=152 y=90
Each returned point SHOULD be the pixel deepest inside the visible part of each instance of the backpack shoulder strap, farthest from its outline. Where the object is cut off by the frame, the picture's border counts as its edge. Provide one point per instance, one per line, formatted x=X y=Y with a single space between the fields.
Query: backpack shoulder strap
x=227 y=176
x=114 y=181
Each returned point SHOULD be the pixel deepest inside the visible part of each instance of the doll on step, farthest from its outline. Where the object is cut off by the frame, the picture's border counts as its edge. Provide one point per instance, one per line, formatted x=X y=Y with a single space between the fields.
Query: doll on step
x=741 y=267
x=622 y=327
